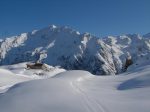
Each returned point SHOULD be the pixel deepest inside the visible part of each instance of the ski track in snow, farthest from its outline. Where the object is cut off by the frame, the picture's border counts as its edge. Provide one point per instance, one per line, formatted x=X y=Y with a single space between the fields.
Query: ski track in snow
x=120 y=92
x=91 y=104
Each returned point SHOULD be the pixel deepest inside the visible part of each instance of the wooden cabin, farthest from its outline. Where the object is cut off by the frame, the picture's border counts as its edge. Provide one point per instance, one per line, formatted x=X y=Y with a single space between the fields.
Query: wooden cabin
x=35 y=66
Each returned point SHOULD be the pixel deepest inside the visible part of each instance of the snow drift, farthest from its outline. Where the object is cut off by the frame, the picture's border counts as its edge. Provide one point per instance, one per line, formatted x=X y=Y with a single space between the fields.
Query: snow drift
x=80 y=91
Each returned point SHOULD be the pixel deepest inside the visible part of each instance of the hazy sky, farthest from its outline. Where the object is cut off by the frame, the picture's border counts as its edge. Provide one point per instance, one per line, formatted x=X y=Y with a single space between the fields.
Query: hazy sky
x=99 y=17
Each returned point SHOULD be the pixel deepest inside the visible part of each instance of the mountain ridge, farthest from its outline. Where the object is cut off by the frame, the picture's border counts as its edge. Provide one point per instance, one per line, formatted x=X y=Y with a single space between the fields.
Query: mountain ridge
x=69 y=49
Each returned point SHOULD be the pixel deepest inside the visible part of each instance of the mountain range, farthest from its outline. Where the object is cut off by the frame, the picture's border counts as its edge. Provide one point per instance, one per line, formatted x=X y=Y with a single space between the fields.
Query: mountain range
x=71 y=50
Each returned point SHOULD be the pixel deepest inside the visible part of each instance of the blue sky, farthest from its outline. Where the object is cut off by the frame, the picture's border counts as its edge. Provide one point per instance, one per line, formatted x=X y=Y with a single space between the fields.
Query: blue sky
x=99 y=17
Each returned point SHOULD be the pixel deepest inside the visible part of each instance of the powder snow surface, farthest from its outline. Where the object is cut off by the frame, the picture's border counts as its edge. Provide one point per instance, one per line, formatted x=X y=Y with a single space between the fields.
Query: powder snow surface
x=76 y=91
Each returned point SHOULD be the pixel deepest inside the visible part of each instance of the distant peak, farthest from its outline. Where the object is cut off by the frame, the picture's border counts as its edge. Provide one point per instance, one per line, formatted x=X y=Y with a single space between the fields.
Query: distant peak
x=53 y=26
x=147 y=35
x=133 y=35
x=86 y=34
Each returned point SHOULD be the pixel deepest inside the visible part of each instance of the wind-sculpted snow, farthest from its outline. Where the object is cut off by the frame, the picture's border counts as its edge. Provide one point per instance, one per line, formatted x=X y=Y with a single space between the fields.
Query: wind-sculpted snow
x=65 y=47
x=80 y=91
x=8 y=79
x=140 y=81
x=44 y=95
x=13 y=74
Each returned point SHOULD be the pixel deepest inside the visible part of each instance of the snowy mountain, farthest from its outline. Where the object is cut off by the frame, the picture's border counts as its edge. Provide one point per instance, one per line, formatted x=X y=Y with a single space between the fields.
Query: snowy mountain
x=65 y=47
x=147 y=35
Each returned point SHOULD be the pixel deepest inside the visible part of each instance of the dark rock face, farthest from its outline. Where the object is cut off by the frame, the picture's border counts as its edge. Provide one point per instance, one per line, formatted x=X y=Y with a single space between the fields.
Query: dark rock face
x=128 y=63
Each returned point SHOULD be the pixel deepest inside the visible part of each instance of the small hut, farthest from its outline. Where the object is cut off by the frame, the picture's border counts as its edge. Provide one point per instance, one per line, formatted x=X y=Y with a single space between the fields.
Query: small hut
x=41 y=66
x=35 y=66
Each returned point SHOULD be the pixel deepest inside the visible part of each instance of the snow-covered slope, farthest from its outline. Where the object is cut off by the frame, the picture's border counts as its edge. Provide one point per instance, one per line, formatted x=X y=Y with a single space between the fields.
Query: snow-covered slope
x=21 y=70
x=129 y=46
x=8 y=79
x=80 y=91
x=17 y=73
x=65 y=47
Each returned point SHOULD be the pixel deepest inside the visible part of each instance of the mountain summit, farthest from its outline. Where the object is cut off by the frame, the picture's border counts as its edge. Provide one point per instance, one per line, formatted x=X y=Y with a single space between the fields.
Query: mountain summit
x=65 y=47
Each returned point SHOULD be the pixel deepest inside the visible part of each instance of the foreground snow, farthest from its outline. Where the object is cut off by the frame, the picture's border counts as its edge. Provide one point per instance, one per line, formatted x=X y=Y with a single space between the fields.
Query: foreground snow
x=8 y=79
x=80 y=91
x=13 y=74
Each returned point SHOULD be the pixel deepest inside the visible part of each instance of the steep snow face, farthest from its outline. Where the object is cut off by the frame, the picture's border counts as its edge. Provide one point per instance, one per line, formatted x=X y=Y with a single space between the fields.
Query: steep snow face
x=132 y=47
x=69 y=49
x=59 y=46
